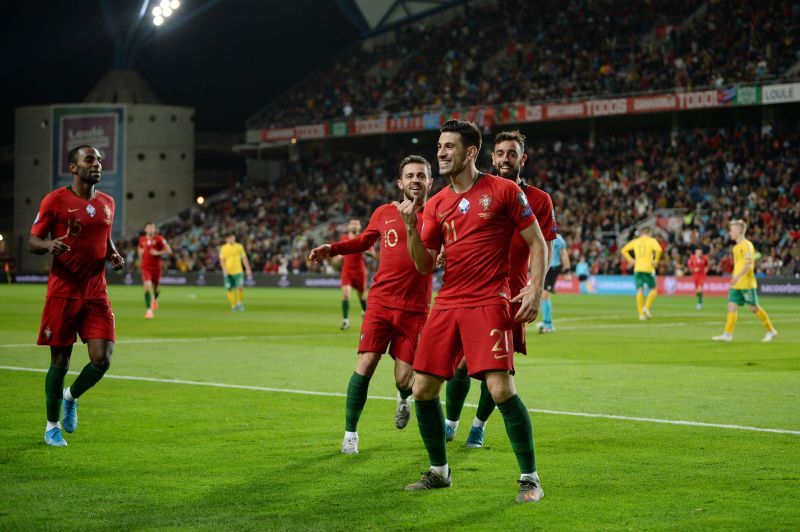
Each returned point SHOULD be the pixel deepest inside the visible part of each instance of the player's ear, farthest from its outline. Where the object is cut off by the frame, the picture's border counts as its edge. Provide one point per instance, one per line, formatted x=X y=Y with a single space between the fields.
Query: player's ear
x=400 y=184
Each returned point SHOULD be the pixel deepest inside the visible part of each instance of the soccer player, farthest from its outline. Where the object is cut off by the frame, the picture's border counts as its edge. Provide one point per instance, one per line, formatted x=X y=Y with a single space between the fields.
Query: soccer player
x=231 y=257
x=354 y=274
x=508 y=158
x=648 y=252
x=698 y=265
x=558 y=262
x=398 y=301
x=152 y=247
x=743 y=285
x=474 y=218
x=583 y=272
x=74 y=225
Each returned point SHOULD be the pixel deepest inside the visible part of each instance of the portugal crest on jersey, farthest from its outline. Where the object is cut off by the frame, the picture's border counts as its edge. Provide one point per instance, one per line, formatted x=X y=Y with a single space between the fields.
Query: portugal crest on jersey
x=486 y=201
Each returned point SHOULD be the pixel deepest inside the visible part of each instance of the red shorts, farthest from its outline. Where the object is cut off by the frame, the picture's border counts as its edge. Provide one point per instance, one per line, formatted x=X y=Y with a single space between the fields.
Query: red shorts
x=400 y=328
x=151 y=274
x=63 y=318
x=698 y=281
x=358 y=280
x=482 y=334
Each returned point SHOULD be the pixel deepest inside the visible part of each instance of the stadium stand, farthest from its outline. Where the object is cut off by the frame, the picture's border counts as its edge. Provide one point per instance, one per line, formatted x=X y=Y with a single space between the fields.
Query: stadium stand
x=551 y=50
x=708 y=175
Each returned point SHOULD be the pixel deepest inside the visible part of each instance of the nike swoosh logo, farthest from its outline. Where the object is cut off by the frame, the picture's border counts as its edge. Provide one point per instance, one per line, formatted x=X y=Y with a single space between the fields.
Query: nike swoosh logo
x=498 y=357
x=71 y=210
x=445 y=213
x=390 y=221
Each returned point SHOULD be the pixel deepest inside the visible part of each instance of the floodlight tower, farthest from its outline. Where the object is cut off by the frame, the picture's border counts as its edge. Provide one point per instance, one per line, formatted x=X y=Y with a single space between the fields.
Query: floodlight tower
x=165 y=16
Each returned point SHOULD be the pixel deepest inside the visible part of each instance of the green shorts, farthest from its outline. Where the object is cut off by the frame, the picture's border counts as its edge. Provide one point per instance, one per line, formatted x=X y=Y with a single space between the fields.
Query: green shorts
x=643 y=278
x=747 y=296
x=234 y=281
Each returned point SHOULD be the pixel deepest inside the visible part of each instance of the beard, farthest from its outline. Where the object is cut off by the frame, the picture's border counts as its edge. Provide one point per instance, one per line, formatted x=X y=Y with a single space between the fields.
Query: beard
x=88 y=177
x=511 y=173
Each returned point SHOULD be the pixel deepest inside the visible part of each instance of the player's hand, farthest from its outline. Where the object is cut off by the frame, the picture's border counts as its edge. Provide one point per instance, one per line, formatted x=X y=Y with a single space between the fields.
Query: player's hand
x=408 y=210
x=441 y=259
x=529 y=300
x=117 y=262
x=57 y=246
x=320 y=253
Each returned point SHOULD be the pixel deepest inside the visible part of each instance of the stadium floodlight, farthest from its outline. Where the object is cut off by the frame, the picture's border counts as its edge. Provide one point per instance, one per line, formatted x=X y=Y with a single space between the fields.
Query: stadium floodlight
x=164 y=4
x=158 y=21
x=167 y=11
x=157 y=11
x=200 y=200
x=175 y=4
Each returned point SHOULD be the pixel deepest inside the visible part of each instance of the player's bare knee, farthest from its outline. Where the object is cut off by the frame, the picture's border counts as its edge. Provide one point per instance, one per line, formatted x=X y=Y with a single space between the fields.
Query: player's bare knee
x=367 y=362
x=60 y=356
x=426 y=387
x=404 y=379
x=501 y=386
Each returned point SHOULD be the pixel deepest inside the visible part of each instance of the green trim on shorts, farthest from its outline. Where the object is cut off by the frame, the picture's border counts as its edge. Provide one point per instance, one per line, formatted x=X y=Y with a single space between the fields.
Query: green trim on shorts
x=643 y=278
x=748 y=296
x=234 y=281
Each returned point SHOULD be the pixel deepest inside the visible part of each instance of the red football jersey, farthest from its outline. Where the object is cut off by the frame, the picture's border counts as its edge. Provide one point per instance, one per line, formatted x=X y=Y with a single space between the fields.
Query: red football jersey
x=698 y=267
x=157 y=243
x=542 y=207
x=476 y=228
x=397 y=284
x=81 y=272
x=353 y=263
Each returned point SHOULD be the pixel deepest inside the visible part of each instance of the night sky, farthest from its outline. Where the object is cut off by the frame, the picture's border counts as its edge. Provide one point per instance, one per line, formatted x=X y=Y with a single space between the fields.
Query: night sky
x=227 y=63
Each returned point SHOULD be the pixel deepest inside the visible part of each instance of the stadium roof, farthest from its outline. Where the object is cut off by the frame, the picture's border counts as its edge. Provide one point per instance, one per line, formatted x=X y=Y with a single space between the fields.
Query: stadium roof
x=373 y=17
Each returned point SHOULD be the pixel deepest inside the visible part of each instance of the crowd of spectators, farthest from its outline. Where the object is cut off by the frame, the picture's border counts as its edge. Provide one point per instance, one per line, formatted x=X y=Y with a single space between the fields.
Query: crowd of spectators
x=700 y=178
x=519 y=50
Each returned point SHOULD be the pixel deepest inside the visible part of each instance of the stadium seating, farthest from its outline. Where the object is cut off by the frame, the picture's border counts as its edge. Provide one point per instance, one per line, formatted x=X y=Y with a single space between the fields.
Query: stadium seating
x=551 y=50
x=711 y=175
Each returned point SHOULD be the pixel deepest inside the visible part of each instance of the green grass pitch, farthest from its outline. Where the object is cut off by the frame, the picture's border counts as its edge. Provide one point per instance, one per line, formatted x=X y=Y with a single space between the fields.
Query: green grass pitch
x=157 y=448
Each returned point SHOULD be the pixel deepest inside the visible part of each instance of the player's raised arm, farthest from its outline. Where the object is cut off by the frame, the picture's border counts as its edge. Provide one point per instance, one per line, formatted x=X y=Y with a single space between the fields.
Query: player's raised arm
x=530 y=297
x=424 y=259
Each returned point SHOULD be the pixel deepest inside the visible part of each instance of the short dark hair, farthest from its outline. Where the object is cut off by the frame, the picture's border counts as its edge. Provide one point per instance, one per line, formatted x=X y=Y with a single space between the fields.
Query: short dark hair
x=72 y=156
x=414 y=159
x=514 y=135
x=470 y=134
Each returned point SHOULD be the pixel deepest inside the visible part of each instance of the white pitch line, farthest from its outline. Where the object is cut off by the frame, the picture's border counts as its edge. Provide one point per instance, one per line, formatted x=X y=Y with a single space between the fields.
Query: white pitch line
x=382 y=398
x=203 y=339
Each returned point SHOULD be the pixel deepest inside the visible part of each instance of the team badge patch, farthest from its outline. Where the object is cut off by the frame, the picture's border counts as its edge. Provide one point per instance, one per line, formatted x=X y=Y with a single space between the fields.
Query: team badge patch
x=107 y=211
x=486 y=201
x=48 y=332
x=463 y=206
x=91 y=210
x=523 y=199
x=526 y=213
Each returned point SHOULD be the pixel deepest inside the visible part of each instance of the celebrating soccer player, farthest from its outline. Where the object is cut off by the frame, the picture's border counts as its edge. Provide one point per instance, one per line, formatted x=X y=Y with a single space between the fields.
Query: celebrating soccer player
x=508 y=157
x=743 y=289
x=152 y=247
x=231 y=257
x=648 y=252
x=698 y=265
x=74 y=225
x=353 y=275
x=474 y=218
x=398 y=300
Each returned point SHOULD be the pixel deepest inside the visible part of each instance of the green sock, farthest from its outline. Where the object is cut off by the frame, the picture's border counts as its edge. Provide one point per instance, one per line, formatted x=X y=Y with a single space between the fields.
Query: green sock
x=430 y=419
x=363 y=304
x=53 y=392
x=520 y=432
x=485 y=403
x=147 y=299
x=356 y=398
x=456 y=393
x=404 y=394
x=345 y=308
x=90 y=375
x=700 y=298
